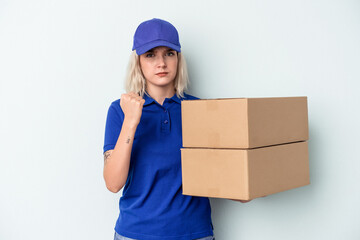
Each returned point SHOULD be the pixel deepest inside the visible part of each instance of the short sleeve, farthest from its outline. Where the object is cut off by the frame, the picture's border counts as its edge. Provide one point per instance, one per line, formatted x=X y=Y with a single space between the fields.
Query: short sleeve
x=114 y=121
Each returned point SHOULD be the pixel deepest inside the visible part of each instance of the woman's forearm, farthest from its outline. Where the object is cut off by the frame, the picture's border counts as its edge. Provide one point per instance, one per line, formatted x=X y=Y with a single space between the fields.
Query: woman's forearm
x=117 y=161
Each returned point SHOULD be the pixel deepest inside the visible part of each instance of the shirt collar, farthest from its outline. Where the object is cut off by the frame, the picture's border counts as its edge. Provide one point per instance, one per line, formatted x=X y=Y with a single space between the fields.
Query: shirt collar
x=149 y=99
x=175 y=98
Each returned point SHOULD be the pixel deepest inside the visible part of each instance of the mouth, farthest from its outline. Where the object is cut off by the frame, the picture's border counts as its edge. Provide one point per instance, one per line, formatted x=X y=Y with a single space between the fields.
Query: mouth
x=162 y=74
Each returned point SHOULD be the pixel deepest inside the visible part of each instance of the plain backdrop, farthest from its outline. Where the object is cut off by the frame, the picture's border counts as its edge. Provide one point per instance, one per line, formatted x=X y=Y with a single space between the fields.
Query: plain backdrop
x=63 y=62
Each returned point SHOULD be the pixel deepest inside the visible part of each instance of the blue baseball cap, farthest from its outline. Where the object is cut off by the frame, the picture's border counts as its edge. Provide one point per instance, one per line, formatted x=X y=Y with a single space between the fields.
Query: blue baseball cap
x=154 y=33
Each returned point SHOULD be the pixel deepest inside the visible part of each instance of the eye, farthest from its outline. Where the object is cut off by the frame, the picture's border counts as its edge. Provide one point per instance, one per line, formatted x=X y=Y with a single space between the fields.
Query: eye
x=149 y=55
x=170 y=53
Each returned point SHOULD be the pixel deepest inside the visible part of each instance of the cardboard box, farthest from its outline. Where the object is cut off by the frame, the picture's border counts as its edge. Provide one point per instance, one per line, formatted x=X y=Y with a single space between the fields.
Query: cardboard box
x=244 y=122
x=244 y=174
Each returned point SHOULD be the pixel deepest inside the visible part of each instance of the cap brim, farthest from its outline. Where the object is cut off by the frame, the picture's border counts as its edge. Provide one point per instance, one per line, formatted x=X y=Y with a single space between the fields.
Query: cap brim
x=143 y=49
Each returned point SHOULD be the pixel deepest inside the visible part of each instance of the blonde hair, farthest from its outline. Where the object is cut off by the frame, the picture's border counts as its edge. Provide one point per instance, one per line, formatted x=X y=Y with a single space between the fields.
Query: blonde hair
x=135 y=80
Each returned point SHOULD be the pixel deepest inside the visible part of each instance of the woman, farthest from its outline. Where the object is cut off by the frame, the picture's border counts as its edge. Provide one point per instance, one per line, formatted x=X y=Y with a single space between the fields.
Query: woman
x=143 y=140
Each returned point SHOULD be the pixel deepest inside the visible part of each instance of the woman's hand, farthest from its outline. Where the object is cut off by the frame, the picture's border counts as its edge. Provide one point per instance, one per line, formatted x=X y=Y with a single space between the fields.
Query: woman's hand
x=117 y=161
x=244 y=201
x=132 y=104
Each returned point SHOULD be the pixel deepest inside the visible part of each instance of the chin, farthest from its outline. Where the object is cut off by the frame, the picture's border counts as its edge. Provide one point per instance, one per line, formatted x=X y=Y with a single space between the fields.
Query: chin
x=162 y=83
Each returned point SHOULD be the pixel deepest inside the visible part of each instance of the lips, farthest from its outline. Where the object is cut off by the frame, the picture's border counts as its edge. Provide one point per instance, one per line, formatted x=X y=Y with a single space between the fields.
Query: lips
x=162 y=74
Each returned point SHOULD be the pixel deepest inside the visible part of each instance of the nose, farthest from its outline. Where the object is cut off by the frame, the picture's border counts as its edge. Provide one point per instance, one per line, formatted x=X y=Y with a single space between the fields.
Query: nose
x=161 y=62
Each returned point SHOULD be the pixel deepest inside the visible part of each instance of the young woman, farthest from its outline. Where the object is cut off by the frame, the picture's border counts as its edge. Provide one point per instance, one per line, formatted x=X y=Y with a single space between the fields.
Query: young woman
x=143 y=140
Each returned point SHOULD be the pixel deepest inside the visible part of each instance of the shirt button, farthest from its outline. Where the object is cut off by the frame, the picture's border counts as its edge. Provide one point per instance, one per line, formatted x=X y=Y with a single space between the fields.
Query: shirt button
x=165 y=110
x=166 y=121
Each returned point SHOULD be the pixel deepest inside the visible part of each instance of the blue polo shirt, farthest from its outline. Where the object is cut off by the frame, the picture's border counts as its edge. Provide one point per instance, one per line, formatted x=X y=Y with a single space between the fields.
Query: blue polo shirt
x=152 y=205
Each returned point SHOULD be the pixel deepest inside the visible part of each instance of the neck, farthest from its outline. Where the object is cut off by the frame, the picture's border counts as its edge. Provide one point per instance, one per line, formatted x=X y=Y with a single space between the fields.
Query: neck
x=159 y=94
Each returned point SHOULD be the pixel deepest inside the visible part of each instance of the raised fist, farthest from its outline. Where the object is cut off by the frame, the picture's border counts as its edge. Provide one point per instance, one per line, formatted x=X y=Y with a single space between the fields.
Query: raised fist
x=131 y=104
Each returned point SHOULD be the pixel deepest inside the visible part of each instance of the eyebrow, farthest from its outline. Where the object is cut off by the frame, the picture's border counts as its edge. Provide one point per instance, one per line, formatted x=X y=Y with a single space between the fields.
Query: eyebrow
x=168 y=50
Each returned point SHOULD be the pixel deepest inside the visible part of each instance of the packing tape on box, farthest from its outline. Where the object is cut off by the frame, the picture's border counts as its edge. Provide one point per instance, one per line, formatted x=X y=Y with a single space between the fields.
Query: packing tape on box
x=212 y=105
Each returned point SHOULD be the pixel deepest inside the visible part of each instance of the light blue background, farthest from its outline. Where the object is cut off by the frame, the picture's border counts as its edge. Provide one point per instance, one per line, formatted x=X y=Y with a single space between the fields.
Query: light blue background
x=63 y=62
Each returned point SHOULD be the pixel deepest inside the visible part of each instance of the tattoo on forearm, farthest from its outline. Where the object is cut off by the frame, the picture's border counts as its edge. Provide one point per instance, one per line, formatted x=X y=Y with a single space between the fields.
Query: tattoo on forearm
x=106 y=156
x=128 y=140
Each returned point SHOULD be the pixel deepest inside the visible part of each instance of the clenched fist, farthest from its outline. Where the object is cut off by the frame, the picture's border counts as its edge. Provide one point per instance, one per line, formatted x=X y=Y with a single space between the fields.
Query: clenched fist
x=132 y=104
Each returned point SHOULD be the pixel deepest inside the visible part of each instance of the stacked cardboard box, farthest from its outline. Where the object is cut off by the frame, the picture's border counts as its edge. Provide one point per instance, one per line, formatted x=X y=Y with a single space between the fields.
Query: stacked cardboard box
x=244 y=148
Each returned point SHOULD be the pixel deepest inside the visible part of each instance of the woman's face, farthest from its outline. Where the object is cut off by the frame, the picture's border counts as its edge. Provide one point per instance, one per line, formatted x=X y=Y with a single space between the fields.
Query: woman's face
x=159 y=66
